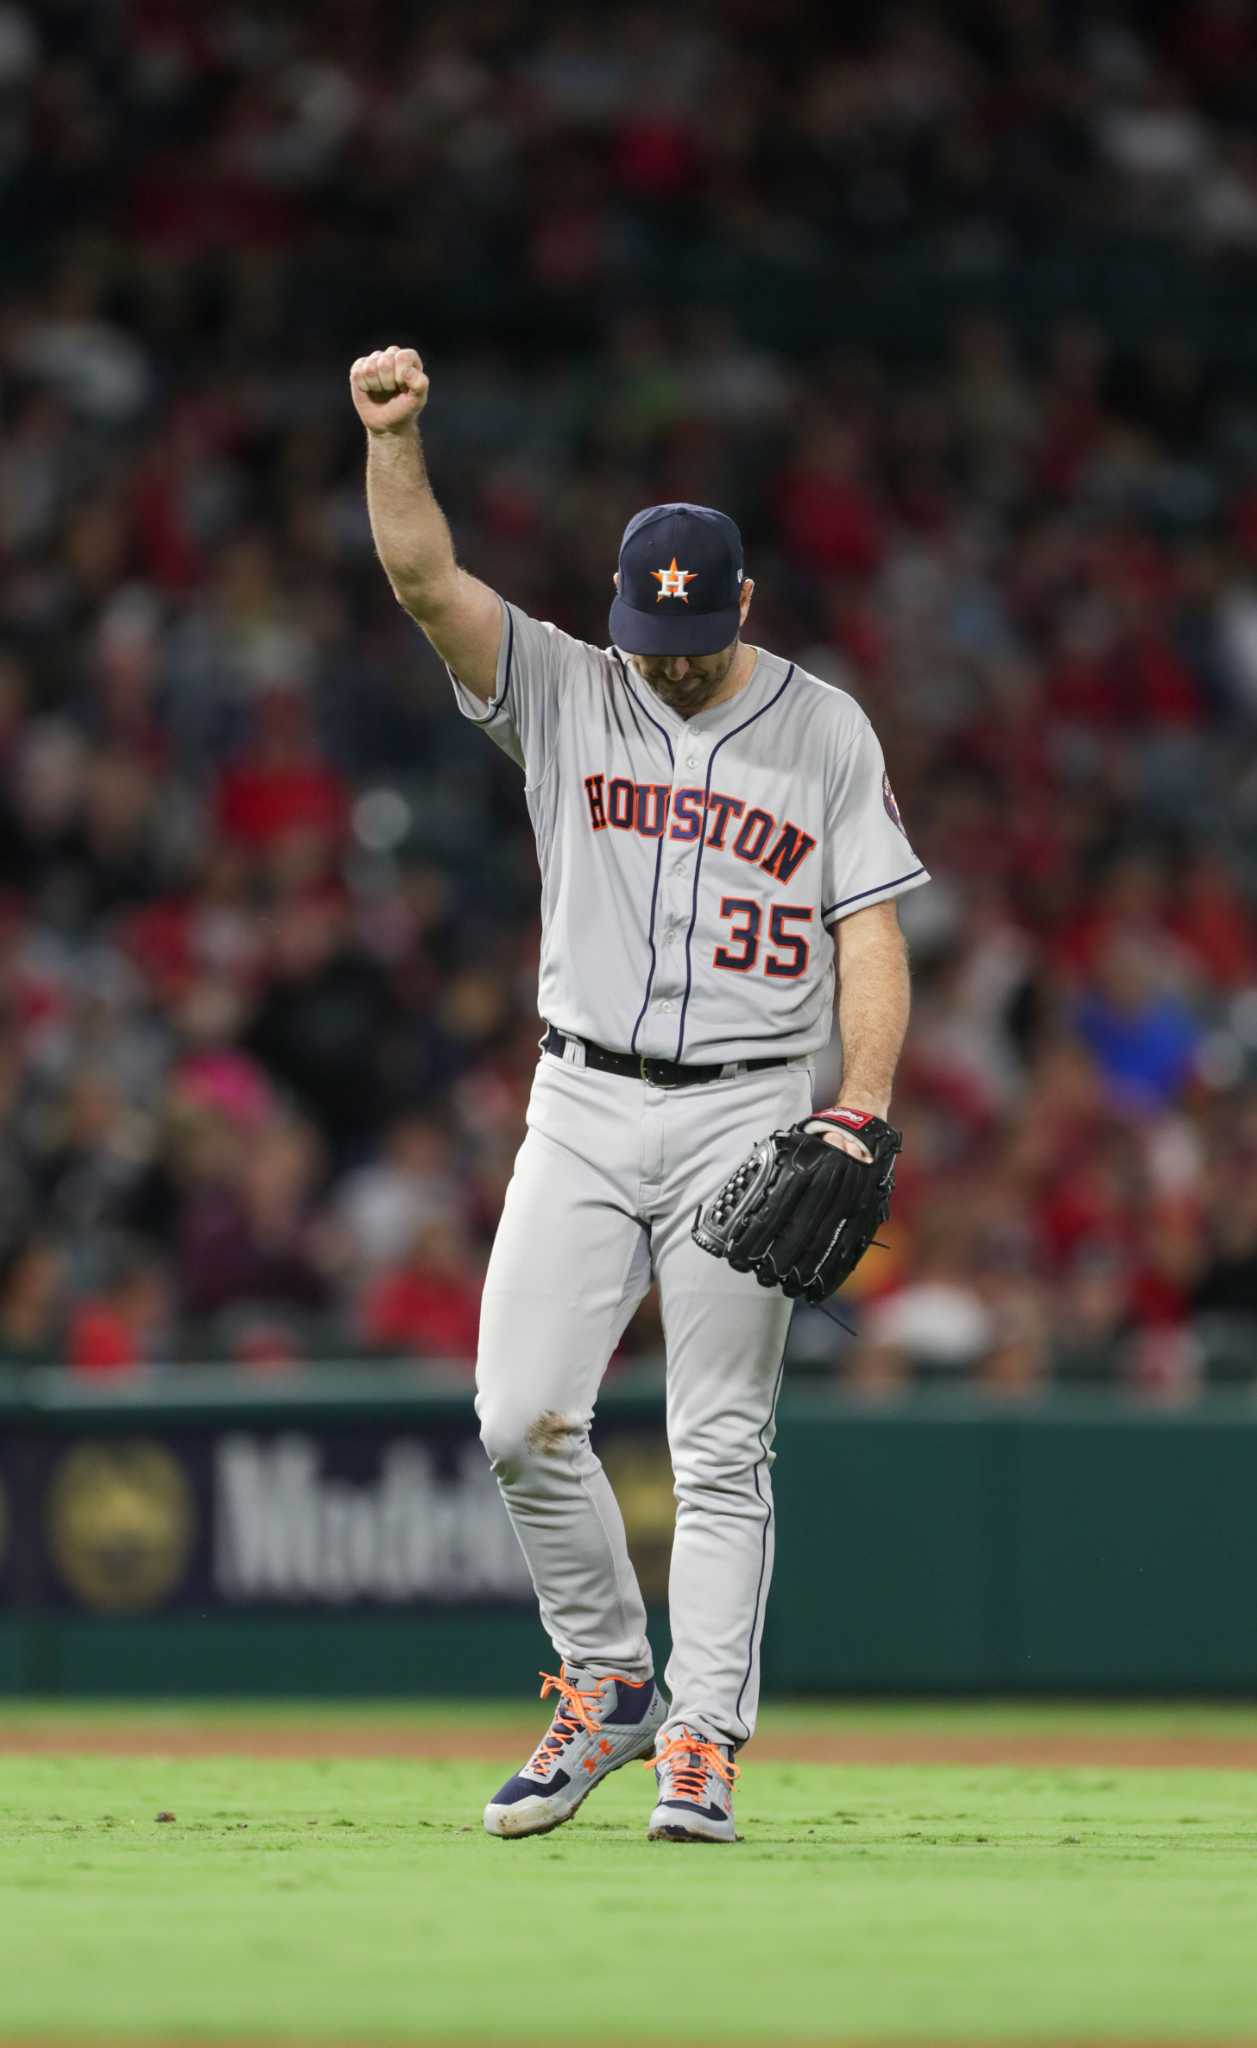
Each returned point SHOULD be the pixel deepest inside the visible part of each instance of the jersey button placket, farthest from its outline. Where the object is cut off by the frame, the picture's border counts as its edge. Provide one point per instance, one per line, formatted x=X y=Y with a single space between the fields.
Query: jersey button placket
x=671 y=969
x=656 y=1034
x=688 y=766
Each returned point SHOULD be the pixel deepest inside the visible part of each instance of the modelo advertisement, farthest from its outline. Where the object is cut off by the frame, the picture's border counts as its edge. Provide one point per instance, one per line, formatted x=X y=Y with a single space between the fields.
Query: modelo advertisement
x=318 y=1518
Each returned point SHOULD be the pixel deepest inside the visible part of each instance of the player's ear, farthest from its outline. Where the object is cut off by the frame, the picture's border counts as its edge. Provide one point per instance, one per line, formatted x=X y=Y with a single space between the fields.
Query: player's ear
x=745 y=595
x=616 y=579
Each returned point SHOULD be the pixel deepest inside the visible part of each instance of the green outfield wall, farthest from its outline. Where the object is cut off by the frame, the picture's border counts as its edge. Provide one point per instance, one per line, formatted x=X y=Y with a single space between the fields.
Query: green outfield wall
x=341 y=1535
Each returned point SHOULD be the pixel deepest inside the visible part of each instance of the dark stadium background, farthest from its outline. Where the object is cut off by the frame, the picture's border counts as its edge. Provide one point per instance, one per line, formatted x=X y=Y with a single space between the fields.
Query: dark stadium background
x=952 y=307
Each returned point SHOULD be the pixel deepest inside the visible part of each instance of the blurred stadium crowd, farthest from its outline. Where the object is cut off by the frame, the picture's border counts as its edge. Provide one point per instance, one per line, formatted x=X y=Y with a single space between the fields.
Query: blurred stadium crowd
x=946 y=307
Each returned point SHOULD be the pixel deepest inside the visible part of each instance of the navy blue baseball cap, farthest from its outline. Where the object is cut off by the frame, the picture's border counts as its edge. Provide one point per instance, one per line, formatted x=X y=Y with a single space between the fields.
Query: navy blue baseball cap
x=680 y=582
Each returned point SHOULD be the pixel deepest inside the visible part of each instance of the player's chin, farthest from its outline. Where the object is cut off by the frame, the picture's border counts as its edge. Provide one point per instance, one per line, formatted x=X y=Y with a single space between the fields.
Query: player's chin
x=687 y=701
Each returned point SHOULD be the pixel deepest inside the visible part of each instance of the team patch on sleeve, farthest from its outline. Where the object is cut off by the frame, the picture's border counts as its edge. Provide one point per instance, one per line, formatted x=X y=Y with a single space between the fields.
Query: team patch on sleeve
x=892 y=808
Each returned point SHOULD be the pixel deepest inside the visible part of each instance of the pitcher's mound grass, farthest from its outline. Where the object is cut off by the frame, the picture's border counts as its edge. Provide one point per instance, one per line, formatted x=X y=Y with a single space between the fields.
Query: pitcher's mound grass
x=358 y=1901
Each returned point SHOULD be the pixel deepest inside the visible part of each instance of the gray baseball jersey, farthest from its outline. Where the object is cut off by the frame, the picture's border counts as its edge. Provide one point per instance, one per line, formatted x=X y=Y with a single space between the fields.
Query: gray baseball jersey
x=690 y=868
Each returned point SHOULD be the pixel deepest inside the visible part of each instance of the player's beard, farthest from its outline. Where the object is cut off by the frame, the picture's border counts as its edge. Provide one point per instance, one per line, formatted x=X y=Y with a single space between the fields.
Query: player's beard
x=695 y=690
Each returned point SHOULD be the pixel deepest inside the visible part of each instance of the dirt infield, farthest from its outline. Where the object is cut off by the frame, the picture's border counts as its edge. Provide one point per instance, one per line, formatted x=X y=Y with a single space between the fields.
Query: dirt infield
x=455 y=1741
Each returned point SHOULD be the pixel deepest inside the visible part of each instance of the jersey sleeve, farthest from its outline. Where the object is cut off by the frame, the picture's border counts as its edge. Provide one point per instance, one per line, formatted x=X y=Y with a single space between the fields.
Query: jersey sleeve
x=868 y=857
x=523 y=713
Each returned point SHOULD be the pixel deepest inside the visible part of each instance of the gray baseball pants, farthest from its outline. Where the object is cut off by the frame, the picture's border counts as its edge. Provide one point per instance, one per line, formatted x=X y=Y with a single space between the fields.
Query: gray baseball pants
x=604 y=1192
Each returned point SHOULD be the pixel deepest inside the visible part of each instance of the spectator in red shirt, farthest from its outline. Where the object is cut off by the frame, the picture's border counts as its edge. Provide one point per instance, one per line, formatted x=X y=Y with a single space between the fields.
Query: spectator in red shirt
x=430 y=1306
x=830 y=521
x=281 y=784
x=126 y=1323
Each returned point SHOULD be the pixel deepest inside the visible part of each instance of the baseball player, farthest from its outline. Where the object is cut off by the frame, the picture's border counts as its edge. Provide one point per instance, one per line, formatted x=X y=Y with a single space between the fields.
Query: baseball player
x=714 y=829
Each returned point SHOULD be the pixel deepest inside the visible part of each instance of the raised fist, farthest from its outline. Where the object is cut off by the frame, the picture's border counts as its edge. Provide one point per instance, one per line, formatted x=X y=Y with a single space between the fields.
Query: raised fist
x=390 y=389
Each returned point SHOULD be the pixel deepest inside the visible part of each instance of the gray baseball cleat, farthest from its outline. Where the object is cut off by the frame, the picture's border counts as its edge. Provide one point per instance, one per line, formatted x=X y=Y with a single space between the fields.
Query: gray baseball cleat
x=599 y=1724
x=695 y=1780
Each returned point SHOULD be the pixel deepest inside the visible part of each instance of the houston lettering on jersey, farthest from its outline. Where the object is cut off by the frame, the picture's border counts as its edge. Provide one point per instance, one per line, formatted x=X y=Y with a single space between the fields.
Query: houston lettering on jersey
x=720 y=821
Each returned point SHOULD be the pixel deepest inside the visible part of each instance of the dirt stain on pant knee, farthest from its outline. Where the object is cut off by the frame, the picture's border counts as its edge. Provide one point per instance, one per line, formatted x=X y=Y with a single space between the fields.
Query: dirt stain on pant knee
x=550 y=1431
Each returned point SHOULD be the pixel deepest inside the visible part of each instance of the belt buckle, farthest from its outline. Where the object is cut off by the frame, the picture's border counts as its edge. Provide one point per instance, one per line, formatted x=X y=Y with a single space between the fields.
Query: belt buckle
x=645 y=1065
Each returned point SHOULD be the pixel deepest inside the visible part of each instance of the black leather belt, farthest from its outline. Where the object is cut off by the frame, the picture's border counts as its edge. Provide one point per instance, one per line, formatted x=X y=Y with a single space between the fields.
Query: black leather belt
x=659 y=1073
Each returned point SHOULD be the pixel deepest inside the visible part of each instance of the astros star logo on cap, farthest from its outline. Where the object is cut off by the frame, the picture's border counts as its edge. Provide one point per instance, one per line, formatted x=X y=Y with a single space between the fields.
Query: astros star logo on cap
x=672 y=581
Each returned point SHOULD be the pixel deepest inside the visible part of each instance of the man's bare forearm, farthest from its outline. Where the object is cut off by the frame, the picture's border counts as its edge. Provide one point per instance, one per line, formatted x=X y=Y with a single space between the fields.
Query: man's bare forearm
x=461 y=616
x=412 y=538
x=874 y=1000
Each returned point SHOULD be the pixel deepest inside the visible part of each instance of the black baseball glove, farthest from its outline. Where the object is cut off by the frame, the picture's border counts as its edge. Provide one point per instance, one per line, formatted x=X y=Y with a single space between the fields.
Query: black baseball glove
x=799 y=1213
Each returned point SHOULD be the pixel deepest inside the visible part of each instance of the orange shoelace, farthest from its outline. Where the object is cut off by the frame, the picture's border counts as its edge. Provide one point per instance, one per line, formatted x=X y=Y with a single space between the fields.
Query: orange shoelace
x=691 y=1760
x=574 y=1712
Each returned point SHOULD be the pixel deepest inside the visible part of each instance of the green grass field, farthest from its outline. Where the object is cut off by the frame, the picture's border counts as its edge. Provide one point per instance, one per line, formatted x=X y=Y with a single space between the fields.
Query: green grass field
x=359 y=1901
